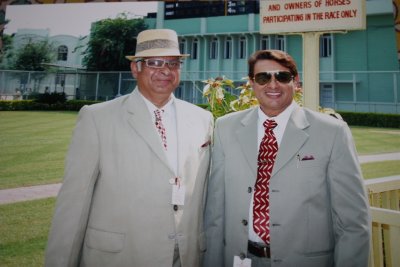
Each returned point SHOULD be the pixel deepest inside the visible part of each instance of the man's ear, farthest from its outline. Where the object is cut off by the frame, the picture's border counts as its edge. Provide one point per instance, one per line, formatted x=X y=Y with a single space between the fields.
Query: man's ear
x=136 y=67
x=251 y=81
x=296 y=80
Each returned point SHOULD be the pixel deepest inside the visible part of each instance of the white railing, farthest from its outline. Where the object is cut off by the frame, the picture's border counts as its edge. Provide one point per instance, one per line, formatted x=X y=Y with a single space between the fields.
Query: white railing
x=384 y=197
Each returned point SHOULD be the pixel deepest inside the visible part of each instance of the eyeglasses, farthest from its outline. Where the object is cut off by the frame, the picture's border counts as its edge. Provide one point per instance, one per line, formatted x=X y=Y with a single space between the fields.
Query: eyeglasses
x=263 y=78
x=160 y=63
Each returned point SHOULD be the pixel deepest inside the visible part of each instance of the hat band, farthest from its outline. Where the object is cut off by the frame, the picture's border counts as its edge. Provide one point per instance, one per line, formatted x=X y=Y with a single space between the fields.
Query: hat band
x=157 y=43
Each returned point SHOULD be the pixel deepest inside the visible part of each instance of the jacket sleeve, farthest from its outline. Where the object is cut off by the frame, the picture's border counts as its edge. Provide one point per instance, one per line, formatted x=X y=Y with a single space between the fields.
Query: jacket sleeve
x=215 y=206
x=350 y=208
x=73 y=202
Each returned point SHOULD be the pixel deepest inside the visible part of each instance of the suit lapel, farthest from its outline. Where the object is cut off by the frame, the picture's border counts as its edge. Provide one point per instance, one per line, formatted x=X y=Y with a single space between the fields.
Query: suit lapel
x=139 y=119
x=183 y=130
x=293 y=138
x=247 y=137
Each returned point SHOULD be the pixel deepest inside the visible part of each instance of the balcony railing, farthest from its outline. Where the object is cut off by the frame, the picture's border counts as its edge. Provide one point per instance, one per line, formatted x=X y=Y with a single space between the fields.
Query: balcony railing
x=384 y=197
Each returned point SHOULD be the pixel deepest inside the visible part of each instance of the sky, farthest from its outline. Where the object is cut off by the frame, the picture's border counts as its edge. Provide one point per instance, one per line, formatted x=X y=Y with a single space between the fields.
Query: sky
x=70 y=19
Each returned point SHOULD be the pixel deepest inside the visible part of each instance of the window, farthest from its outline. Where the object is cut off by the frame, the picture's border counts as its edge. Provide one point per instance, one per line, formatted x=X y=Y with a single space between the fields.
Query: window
x=264 y=43
x=195 y=46
x=60 y=79
x=62 y=52
x=228 y=48
x=325 y=49
x=327 y=96
x=242 y=47
x=214 y=48
x=280 y=42
x=182 y=46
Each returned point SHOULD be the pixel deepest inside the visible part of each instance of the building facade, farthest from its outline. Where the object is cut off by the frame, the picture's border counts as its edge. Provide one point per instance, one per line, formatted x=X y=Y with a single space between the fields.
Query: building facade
x=359 y=70
x=68 y=56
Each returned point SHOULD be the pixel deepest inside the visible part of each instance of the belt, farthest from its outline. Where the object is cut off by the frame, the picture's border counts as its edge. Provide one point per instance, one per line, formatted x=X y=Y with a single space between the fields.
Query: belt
x=258 y=249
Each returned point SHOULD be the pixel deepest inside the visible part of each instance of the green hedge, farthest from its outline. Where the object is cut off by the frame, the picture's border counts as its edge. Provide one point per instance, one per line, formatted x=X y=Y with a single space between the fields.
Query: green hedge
x=73 y=105
x=352 y=118
x=371 y=119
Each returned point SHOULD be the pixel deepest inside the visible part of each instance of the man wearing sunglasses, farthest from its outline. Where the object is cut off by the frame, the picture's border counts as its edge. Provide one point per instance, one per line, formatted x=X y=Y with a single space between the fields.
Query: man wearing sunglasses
x=285 y=187
x=133 y=191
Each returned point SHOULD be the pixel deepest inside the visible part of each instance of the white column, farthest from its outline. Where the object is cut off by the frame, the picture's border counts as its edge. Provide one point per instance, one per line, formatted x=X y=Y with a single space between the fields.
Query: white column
x=311 y=69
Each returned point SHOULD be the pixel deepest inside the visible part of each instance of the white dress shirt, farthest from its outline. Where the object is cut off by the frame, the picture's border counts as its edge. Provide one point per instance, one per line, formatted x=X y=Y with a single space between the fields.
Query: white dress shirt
x=282 y=120
x=168 y=117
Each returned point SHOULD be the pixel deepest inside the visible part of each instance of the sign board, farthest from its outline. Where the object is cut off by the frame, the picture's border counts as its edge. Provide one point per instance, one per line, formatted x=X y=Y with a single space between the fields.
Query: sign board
x=290 y=16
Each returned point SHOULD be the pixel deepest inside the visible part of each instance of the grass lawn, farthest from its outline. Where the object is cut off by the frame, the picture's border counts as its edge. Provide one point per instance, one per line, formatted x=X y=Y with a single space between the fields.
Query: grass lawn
x=24 y=227
x=376 y=140
x=380 y=169
x=33 y=146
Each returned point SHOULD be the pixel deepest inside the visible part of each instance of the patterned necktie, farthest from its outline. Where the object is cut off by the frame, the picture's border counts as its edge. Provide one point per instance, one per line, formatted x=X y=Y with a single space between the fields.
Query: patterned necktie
x=266 y=158
x=160 y=127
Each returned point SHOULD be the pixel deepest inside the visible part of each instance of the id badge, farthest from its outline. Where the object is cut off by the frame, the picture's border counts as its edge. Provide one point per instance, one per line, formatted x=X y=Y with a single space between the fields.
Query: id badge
x=238 y=262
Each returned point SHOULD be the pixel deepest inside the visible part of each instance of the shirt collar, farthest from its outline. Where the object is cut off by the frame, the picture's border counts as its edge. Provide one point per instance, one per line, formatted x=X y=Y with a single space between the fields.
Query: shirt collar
x=281 y=119
x=151 y=107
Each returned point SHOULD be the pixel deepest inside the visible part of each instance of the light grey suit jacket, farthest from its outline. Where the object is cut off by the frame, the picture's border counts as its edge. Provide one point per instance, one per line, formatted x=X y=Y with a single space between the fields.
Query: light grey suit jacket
x=114 y=207
x=318 y=208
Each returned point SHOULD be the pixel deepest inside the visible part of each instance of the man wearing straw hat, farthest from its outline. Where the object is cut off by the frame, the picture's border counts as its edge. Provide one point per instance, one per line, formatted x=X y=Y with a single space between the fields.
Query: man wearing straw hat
x=134 y=184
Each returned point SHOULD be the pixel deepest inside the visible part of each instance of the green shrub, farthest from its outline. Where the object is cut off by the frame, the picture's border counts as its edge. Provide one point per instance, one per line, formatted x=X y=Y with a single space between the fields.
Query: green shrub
x=51 y=98
x=371 y=119
x=73 y=105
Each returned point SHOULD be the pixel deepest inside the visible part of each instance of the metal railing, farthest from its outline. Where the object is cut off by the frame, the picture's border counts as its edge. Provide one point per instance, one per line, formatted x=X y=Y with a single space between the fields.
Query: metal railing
x=384 y=197
x=358 y=91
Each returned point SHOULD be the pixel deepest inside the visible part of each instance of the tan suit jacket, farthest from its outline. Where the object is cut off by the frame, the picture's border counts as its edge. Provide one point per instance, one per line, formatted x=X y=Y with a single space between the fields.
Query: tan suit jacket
x=114 y=207
x=318 y=207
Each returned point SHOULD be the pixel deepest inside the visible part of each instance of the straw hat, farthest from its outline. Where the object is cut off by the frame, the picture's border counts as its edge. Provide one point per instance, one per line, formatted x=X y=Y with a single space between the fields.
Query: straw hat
x=158 y=42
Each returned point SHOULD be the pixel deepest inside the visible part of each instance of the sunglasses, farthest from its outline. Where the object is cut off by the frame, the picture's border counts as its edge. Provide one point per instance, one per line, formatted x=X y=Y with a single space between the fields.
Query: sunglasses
x=160 y=63
x=263 y=78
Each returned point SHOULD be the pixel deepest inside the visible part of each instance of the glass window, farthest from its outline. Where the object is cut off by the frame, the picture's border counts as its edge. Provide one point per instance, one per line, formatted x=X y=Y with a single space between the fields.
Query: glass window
x=280 y=42
x=62 y=52
x=326 y=45
x=264 y=43
x=195 y=46
x=214 y=48
x=228 y=48
x=242 y=47
x=182 y=46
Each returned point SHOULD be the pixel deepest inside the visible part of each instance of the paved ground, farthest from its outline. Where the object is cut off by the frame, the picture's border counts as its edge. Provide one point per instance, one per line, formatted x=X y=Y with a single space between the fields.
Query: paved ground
x=28 y=193
x=51 y=190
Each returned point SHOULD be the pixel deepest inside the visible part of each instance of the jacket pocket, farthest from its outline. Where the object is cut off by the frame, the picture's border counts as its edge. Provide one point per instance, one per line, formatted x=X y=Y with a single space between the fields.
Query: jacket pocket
x=104 y=241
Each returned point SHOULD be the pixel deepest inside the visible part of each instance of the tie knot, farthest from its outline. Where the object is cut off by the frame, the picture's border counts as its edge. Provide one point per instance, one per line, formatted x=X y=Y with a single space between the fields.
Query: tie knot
x=270 y=124
x=158 y=113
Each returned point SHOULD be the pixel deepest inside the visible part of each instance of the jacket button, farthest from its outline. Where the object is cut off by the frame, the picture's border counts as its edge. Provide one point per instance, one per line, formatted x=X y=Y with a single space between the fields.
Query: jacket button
x=171 y=236
x=249 y=189
x=242 y=256
x=175 y=207
x=244 y=222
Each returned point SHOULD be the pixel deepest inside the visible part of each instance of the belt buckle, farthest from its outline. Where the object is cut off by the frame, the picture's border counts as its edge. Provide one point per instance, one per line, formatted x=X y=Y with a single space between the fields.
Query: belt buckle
x=267 y=251
x=259 y=250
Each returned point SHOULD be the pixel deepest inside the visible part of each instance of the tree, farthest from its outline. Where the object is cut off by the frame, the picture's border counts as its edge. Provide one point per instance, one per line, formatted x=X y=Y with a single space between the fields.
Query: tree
x=6 y=47
x=32 y=55
x=30 y=58
x=110 y=41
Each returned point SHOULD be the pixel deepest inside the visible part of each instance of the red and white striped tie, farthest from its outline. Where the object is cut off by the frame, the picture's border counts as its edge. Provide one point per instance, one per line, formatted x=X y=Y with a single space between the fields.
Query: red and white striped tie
x=266 y=158
x=160 y=127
